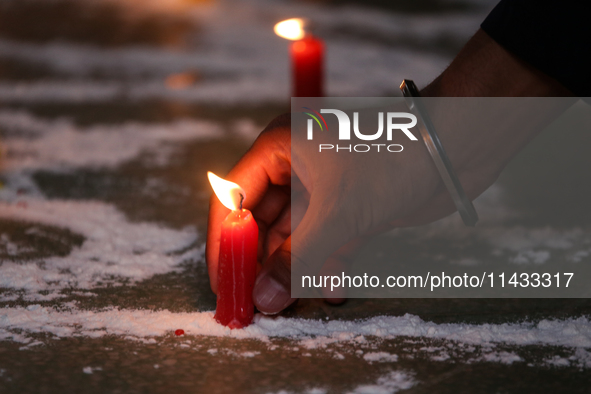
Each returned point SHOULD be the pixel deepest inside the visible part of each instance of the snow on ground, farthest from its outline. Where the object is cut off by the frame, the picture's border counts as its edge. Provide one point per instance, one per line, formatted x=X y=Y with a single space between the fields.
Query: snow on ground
x=389 y=383
x=242 y=61
x=116 y=249
x=313 y=334
x=35 y=143
x=392 y=382
x=19 y=324
x=113 y=250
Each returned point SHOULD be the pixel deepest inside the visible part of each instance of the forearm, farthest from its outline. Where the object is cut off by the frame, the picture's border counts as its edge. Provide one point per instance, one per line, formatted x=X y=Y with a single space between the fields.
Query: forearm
x=482 y=134
x=483 y=68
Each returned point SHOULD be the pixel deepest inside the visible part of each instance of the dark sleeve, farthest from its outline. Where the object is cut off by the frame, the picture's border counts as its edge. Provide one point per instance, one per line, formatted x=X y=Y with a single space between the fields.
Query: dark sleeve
x=552 y=36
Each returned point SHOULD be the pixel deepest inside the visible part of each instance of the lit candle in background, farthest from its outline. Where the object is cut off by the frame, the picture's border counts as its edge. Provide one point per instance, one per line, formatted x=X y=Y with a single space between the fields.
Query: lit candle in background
x=238 y=257
x=307 y=58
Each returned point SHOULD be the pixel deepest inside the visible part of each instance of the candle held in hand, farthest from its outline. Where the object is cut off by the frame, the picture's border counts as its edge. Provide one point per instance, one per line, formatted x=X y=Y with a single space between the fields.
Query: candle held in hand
x=238 y=257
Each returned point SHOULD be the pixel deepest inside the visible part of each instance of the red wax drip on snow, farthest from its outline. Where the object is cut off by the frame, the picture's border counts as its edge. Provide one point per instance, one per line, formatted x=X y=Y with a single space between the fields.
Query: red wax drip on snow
x=307 y=56
x=237 y=269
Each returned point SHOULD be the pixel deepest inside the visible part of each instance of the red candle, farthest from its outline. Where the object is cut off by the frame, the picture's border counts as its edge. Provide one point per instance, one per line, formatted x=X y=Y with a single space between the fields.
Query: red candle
x=238 y=257
x=307 y=58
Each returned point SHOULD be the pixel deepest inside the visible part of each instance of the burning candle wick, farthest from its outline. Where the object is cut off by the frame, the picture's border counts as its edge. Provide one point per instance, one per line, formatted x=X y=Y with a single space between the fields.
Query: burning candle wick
x=307 y=58
x=241 y=200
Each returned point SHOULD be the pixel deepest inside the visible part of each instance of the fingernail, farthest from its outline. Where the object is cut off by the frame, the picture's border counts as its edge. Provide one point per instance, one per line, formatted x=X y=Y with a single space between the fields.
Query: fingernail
x=270 y=296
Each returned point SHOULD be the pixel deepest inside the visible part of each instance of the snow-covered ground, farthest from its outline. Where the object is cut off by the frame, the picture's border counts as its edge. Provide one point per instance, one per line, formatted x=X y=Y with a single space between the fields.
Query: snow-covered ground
x=241 y=60
x=241 y=63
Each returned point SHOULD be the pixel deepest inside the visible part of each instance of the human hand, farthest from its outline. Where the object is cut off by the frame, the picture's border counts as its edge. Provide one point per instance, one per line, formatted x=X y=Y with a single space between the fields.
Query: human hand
x=410 y=191
x=324 y=188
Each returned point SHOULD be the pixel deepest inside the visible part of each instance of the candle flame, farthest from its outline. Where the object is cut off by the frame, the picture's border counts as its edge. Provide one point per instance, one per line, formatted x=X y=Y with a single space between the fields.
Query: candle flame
x=292 y=29
x=229 y=193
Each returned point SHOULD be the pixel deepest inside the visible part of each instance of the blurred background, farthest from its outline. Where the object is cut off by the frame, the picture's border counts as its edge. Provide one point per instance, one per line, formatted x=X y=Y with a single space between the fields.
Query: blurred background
x=218 y=52
x=214 y=67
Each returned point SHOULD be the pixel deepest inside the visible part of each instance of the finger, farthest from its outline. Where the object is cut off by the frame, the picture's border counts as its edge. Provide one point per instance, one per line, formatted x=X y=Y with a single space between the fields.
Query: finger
x=271 y=293
x=266 y=163
x=271 y=205
x=277 y=233
x=318 y=235
x=270 y=209
x=280 y=229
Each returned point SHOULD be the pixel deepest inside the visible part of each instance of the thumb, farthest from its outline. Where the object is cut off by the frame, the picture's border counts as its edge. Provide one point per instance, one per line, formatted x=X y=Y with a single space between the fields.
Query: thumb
x=272 y=289
x=317 y=236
